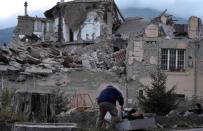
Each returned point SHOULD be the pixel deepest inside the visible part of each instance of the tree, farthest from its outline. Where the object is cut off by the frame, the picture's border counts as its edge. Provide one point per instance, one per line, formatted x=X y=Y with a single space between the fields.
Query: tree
x=158 y=99
x=61 y=101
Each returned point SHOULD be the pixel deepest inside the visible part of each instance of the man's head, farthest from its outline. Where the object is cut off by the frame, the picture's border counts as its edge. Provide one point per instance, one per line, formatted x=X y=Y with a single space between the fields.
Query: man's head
x=110 y=86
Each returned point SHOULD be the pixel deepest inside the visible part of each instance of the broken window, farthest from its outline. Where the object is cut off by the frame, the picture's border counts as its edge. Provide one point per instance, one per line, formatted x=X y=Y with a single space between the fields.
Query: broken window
x=49 y=27
x=141 y=93
x=38 y=26
x=173 y=60
x=71 y=35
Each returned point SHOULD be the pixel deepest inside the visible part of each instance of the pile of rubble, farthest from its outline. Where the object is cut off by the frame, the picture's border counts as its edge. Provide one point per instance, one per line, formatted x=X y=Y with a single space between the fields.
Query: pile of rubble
x=177 y=120
x=45 y=58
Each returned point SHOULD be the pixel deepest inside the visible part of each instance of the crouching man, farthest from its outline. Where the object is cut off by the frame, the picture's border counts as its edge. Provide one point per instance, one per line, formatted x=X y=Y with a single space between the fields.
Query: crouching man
x=107 y=103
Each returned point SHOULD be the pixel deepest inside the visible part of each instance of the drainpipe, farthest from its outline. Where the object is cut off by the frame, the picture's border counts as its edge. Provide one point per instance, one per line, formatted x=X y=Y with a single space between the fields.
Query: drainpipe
x=2 y=81
x=196 y=60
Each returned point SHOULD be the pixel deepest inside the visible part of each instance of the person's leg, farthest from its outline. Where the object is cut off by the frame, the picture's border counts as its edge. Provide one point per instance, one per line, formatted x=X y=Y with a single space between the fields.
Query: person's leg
x=114 y=115
x=101 y=115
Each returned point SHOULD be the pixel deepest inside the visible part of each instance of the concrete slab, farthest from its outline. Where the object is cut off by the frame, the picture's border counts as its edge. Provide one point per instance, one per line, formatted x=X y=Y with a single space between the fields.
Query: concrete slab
x=197 y=129
x=146 y=123
x=44 y=126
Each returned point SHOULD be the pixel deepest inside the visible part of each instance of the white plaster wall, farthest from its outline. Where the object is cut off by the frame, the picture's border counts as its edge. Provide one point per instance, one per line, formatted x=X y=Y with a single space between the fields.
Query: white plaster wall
x=91 y=27
x=56 y=22
x=65 y=32
x=184 y=82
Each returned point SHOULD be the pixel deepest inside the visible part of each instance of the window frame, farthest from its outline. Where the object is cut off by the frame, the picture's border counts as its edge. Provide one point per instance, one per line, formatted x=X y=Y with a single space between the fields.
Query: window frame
x=178 y=62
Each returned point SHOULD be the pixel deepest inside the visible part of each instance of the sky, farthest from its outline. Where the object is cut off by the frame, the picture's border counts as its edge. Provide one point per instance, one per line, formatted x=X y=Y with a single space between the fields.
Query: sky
x=10 y=9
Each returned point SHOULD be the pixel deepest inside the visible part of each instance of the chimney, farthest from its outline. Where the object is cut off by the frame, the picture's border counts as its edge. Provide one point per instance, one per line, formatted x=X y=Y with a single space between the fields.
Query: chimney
x=26 y=5
x=62 y=1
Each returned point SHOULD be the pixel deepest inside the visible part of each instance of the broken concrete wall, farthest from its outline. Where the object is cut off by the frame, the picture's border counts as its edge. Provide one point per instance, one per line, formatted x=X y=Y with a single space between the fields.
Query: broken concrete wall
x=87 y=20
x=194 y=27
x=152 y=30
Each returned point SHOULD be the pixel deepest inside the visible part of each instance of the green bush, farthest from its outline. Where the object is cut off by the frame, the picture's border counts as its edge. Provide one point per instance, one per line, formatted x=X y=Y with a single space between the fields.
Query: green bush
x=61 y=101
x=158 y=99
x=6 y=106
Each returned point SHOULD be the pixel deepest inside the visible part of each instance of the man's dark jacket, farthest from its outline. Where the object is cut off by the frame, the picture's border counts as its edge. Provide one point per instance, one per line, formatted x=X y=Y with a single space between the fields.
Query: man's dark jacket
x=111 y=95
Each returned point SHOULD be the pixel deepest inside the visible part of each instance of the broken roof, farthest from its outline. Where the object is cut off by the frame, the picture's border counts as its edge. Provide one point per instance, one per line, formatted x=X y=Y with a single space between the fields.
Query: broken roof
x=133 y=27
x=74 y=12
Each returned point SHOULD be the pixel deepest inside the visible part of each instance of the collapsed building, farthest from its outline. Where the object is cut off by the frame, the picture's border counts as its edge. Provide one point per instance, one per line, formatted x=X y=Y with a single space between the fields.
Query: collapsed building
x=165 y=43
x=85 y=21
x=86 y=44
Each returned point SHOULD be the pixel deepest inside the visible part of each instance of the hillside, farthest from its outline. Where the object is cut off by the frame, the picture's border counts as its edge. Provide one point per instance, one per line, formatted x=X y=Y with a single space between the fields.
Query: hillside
x=148 y=14
x=6 y=35
x=145 y=13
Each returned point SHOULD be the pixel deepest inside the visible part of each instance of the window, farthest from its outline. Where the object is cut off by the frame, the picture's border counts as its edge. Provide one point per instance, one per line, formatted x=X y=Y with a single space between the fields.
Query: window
x=140 y=93
x=49 y=27
x=38 y=26
x=173 y=59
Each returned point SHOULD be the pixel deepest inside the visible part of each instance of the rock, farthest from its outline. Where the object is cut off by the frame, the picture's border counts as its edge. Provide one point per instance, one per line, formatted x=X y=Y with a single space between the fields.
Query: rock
x=67 y=61
x=21 y=78
x=34 y=52
x=159 y=126
x=32 y=60
x=38 y=70
x=172 y=113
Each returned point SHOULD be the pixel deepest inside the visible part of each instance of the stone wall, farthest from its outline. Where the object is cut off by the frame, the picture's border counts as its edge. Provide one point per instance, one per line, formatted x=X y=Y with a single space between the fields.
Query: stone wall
x=144 y=55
